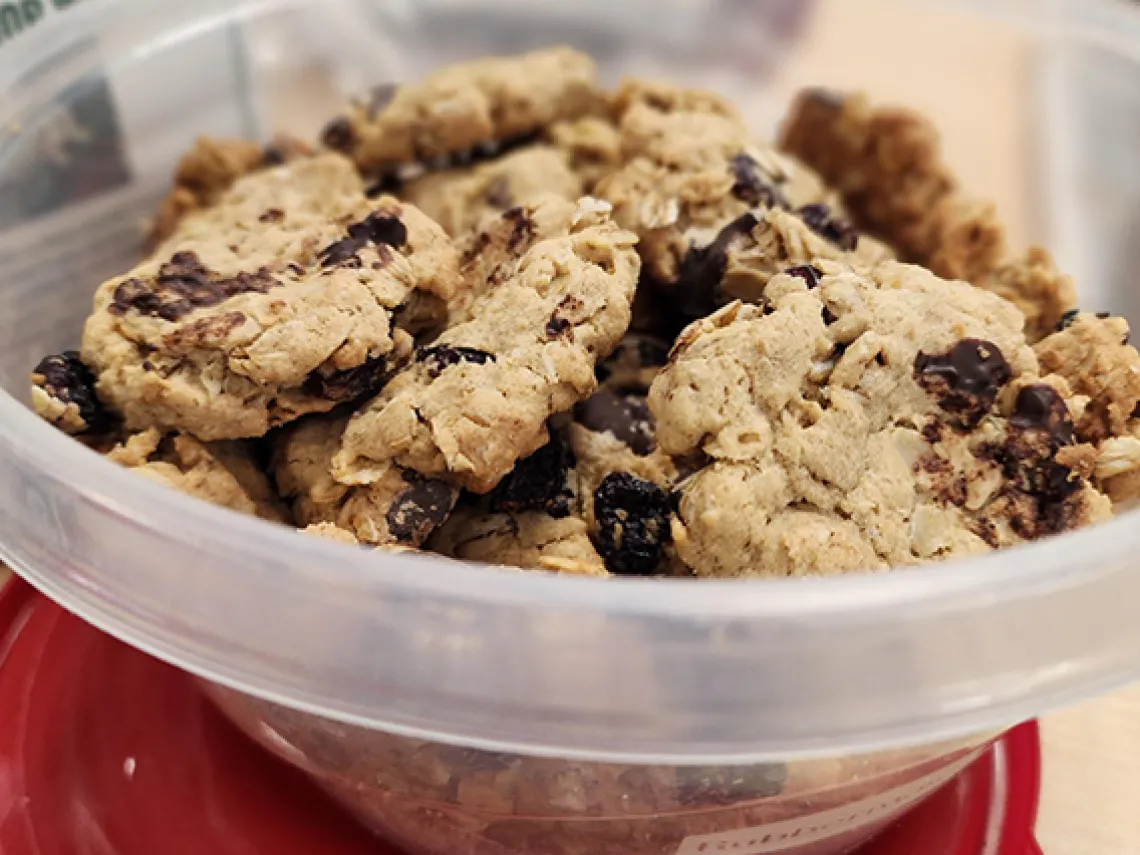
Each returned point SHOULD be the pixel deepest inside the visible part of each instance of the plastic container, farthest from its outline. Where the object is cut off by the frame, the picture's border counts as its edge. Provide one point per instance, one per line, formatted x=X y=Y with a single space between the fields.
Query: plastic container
x=461 y=709
x=164 y=759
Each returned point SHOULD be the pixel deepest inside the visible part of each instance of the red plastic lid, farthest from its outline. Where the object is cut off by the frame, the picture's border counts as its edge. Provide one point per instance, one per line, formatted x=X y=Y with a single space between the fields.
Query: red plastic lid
x=106 y=751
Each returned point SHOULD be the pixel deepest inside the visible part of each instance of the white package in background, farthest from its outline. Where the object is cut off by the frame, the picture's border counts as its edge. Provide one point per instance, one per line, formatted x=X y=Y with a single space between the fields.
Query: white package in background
x=80 y=174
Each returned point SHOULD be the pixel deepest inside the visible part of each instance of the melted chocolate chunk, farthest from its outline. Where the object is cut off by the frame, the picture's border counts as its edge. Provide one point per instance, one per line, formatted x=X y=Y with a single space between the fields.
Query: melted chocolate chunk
x=441 y=357
x=751 y=186
x=523 y=232
x=420 y=510
x=966 y=380
x=633 y=524
x=1041 y=408
x=1136 y=412
x=184 y=284
x=378 y=229
x=540 y=483
x=556 y=327
x=627 y=417
x=388 y=184
x=811 y=274
x=838 y=230
x=701 y=786
x=66 y=379
x=698 y=282
x=349 y=385
x=1040 y=426
x=339 y=135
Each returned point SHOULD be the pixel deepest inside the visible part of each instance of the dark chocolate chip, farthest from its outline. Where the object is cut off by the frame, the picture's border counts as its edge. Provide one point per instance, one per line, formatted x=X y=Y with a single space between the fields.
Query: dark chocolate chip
x=1068 y=319
x=838 y=230
x=627 y=417
x=378 y=228
x=442 y=356
x=540 y=483
x=349 y=385
x=184 y=284
x=633 y=524
x=388 y=184
x=699 y=786
x=828 y=316
x=420 y=509
x=1039 y=407
x=1104 y=316
x=966 y=380
x=696 y=292
x=811 y=274
x=273 y=215
x=751 y=186
x=1136 y=412
x=66 y=379
x=339 y=135
x=524 y=229
x=556 y=327
x=272 y=155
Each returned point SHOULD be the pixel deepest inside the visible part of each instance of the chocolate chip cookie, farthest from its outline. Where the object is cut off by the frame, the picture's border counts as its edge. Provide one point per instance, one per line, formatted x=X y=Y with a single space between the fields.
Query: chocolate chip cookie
x=281 y=300
x=209 y=169
x=462 y=108
x=549 y=289
x=400 y=508
x=887 y=165
x=461 y=199
x=694 y=181
x=862 y=420
x=222 y=473
x=1092 y=353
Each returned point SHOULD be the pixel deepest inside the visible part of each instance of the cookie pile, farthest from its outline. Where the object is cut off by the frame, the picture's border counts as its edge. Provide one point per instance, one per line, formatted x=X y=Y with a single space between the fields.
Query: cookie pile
x=509 y=316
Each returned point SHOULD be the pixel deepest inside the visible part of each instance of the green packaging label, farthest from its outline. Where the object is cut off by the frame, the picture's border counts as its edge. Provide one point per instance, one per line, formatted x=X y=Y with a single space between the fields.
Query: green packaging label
x=19 y=16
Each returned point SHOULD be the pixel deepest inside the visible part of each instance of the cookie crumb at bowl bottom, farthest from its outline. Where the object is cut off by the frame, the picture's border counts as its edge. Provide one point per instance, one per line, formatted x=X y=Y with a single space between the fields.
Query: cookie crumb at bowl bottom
x=433 y=798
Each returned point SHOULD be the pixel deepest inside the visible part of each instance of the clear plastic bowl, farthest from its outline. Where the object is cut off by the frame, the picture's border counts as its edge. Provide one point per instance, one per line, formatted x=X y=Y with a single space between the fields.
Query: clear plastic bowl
x=462 y=709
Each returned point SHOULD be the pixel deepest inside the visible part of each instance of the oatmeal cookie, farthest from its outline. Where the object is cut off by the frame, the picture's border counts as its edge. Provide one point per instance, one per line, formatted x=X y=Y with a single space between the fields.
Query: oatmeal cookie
x=542 y=515
x=550 y=288
x=861 y=420
x=461 y=199
x=209 y=169
x=591 y=145
x=531 y=541
x=1092 y=353
x=458 y=109
x=279 y=301
x=531 y=520
x=694 y=182
x=400 y=508
x=222 y=473
x=887 y=164
x=1033 y=284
